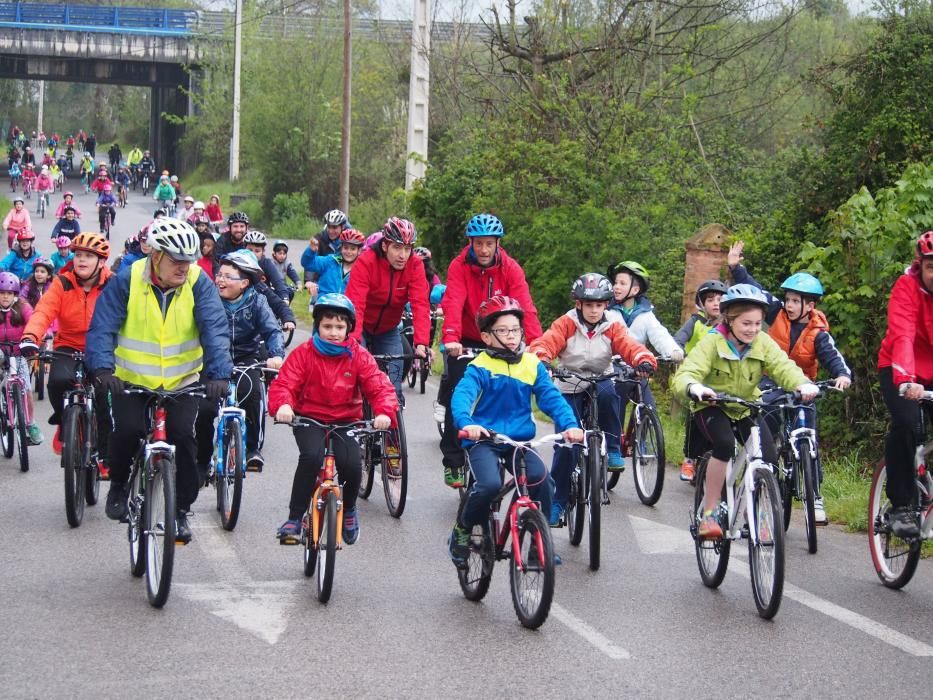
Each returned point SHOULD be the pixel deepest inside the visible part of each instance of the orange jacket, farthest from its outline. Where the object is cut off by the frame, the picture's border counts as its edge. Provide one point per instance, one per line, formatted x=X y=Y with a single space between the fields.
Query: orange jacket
x=804 y=350
x=66 y=301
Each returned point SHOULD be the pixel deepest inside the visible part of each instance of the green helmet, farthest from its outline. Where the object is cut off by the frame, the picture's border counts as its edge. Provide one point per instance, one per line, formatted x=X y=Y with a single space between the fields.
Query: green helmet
x=633 y=268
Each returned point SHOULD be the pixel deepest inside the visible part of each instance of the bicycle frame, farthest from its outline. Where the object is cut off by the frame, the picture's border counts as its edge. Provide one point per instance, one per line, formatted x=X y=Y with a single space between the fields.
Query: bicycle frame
x=326 y=482
x=229 y=413
x=740 y=473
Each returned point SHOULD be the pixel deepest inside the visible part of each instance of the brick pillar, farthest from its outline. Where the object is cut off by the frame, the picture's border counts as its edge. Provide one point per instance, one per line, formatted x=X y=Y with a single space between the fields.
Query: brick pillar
x=707 y=251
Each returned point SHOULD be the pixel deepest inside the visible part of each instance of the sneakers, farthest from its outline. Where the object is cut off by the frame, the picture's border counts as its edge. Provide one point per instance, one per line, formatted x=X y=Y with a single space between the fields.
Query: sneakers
x=458 y=544
x=289 y=532
x=904 y=523
x=57 y=440
x=453 y=477
x=35 y=435
x=688 y=471
x=116 y=501
x=615 y=462
x=351 y=527
x=182 y=528
x=709 y=527
x=254 y=461
x=103 y=471
x=819 y=512
x=440 y=413
x=557 y=515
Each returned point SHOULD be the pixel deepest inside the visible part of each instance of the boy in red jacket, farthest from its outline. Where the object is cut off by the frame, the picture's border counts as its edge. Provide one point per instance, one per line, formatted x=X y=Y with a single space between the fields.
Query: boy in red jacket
x=326 y=379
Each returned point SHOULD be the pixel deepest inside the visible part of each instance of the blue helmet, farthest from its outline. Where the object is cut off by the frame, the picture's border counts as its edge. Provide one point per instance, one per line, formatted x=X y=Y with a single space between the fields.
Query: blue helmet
x=335 y=302
x=485 y=225
x=743 y=294
x=804 y=284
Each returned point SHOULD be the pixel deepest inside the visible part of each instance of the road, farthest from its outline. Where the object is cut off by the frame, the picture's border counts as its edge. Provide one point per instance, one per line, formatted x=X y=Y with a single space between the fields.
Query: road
x=242 y=621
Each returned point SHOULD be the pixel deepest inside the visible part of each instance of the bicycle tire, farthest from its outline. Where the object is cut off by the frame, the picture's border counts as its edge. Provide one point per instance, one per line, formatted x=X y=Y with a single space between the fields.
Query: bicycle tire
x=809 y=494
x=532 y=603
x=40 y=380
x=366 y=447
x=310 y=547
x=712 y=555
x=7 y=432
x=72 y=457
x=412 y=376
x=648 y=458
x=22 y=434
x=327 y=548
x=230 y=483
x=894 y=559
x=91 y=456
x=395 y=480
x=576 y=500
x=134 y=527
x=159 y=517
x=767 y=581
x=475 y=576
x=424 y=374
x=787 y=482
x=287 y=337
x=595 y=496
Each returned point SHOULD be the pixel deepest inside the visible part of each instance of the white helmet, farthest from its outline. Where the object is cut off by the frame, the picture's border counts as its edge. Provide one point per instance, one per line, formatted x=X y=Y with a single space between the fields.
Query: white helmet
x=199 y=205
x=176 y=238
x=255 y=238
x=335 y=217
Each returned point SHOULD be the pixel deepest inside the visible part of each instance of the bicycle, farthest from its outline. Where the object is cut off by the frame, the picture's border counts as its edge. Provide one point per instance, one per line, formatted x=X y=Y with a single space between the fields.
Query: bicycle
x=105 y=218
x=122 y=196
x=531 y=549
x=14 y=416
x=642 y=441
x=420 y=368
x=228 y=468
x=42 y=203
x=151 y=499
x=27 y=187
x=895 y=559
x=145 y=183
x=40 y=368
x=388 y=451
x=14 y=181
x=79 y=439
x=86 y=181
x=465 y=354
x=287 y=335
x=750 y=509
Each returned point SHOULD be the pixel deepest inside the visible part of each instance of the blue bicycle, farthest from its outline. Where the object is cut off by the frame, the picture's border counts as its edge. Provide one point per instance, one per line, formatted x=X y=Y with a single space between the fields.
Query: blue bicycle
x=229 y=460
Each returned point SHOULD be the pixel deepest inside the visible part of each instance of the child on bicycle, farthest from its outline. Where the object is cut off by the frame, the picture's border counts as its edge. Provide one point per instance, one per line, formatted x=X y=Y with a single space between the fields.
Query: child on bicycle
x=45 y=185
x=164 y=194
x=16 y=221
x=584 y=341
x=732 y=360
x=29 y=178
x=106 y=206
x=495 y=394
x=15 y=173
x=63 y=255
x=19 y=260
x=326 y=379
x=332 y=271
x=285 y=268
x=206 y=261
x=14 y=315
x=38 y=282
x=67 y=201
x=68 y=226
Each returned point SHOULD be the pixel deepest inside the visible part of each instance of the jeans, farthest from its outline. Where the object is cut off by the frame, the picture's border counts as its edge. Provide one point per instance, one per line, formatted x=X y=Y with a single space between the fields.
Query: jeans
x=310 y=459
x=484 y=465
x=389 y=343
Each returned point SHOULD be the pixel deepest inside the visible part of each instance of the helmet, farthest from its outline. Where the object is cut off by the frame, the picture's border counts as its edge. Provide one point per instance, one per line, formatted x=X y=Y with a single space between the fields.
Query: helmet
x=633 y=268
x=26 y=235
x=335 y=302
x=9 y=282
x=804 y=284
x=202 y=219
x=494 y=307
x=372 y=239
x=108 y=187
x=91 y=243
x=63 y=242
x=255 y=238
x=335 y=217
x=173 y=178
x=44 y=262
x=745 y=294
x=199 y=205
x=244 y=261
x=280 y=244
x=18 y=199
x=238 y=217
x=709 y=287
x=398 y=230
x=591 y=287
x=485 y=225
x=189 y=198
x=176 y=238
x=422 y=252
x=351 y=236
x=924 y=244
x=68 y=194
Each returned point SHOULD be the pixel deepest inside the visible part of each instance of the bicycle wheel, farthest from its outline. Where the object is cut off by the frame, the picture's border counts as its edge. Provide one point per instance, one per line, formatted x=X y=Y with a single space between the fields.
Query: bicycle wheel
x=134 y=519
x=91 y=456
x=73 y=432
x=787 y=482
x=476 y=575
x=766 y=553
x=287 y=337
x=712 y=555
x=230 y=483
x=310 y=547
x=22 y=434
x=395 y=467
x=7 y=439
x=159 y=534
x=576 y=500
x=648 y=457
x=412 y=375
x=895 y=559
x=40 y=380
x=809 y=494
x=594 y=470
x=532 y=583
x=424 y=374
x=327 y=548
x=367 y=457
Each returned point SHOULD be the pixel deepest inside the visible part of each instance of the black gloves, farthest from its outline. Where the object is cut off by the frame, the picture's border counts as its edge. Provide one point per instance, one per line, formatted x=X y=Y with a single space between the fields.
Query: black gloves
x=108 y=381
x=216 y=389
x=644 y=368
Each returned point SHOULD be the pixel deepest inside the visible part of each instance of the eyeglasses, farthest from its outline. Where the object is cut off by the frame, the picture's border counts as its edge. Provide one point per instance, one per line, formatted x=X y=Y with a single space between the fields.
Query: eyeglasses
x=506 y=332
x=227 y=278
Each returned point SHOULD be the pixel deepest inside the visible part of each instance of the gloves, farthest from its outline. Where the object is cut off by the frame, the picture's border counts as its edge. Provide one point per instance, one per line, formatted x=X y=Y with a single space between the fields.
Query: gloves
x=644 y=368
x=698 y=391
x=677 y=355
x=107 y=381
x=216 y=390
x=28 y=348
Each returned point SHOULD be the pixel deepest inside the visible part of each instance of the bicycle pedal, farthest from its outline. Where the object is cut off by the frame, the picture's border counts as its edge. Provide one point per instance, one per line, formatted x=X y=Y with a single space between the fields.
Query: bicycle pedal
x=290 y=541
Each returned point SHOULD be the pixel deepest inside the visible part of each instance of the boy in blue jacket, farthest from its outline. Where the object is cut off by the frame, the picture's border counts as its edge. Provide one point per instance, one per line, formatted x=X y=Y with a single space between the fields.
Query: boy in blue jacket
x=333 y=271
x=495 y=394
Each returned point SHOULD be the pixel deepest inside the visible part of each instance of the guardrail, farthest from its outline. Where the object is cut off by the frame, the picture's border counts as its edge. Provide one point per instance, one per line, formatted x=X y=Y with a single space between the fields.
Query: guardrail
x=139 y=20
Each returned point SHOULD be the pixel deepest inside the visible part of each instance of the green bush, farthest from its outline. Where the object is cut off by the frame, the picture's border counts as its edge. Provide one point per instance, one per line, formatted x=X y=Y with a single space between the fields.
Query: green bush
x=368 y=215
x=290 y=206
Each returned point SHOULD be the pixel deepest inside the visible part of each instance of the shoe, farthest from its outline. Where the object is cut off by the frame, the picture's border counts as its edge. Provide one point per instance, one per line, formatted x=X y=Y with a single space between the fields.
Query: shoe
x=392 y=461
x=557 y=515
x=709 y=527
x=290 y=532
x=57 y=441
x=904 y=523
x=453 y=477
x=615 y=462
x=688 y=471
x=254 y=461
x=458 y=544
x=35 y=435
x=351 y=527
x=116 y=501
x=103 y=471
x=440 y=413
x=182 y=528
x=819 y=512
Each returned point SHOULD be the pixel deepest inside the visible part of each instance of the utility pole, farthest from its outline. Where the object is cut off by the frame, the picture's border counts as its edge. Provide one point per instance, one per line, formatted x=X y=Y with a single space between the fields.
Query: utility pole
x=237 y=51
x=419 y=91
x=345 y=128
x=41 y=105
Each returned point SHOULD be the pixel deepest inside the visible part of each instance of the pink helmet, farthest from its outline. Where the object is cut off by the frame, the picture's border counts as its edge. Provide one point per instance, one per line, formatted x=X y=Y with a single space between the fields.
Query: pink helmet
x=63 y=242
x=373 y=239
x=9 y=282
x=108 y=188
x=68 y=194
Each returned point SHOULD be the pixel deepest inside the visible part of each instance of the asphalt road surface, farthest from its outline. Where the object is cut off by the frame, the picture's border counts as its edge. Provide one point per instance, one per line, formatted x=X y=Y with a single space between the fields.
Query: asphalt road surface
x=243 y=621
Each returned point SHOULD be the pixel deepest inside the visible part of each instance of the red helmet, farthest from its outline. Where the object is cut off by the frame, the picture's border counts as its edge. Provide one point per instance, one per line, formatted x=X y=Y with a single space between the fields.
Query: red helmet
x=26 y=235
x=398 y=230
x=352 y=236
x=925 y=245
x=494 y=307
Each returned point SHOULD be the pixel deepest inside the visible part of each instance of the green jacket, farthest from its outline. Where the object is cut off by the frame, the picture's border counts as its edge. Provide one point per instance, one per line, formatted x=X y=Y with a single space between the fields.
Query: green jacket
x=714 y=363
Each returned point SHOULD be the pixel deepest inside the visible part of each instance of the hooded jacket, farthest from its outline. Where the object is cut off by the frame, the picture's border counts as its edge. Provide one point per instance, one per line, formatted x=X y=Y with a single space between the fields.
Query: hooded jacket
x=907 y=347
x=251 y=321
x=67 y=303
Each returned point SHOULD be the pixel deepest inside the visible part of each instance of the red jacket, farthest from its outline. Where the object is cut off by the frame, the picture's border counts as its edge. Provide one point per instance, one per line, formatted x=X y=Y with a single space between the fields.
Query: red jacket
x=328 y=388
x=207 y=264
x=469 y=285
x=379 y=293
x=908 y=344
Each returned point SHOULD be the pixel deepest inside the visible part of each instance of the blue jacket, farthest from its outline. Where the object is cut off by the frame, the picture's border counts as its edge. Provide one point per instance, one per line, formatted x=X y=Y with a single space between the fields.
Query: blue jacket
x=58 y=262
x=110 y=313
x=66 y=228
x=497 y=395
x=251 y=321
x=17 y=264
x=328 y=268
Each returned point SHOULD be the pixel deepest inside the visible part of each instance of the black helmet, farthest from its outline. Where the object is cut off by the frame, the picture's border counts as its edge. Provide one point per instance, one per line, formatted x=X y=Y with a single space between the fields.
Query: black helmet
x=591 y=287
x=238 y=217
x=709 y=287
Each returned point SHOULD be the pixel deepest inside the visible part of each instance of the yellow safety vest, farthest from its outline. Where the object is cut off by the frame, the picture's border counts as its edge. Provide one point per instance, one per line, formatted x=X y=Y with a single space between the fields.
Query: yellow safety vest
x=155 y=350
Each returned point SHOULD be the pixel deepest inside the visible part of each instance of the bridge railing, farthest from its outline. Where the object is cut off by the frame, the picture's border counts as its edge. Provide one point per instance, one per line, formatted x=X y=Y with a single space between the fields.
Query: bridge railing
x=34 y=15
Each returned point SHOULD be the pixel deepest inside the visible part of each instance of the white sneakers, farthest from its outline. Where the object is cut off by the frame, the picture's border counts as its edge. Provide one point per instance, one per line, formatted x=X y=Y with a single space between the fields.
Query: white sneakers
x=819 y=512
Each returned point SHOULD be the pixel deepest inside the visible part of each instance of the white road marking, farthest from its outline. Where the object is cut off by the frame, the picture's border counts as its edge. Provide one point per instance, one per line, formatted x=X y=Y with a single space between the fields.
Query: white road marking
x=657 y=538
x=591 y=635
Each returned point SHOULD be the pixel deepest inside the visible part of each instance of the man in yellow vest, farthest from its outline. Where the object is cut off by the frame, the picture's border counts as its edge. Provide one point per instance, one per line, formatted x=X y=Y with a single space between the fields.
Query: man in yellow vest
x=159 y=324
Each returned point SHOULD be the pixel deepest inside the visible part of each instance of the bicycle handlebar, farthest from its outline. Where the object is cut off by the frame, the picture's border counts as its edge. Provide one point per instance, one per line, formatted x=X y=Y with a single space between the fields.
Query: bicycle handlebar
x=500 y=439
x=358 y=426
x=260 y=365
x=195 y=390
x=47 y=355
